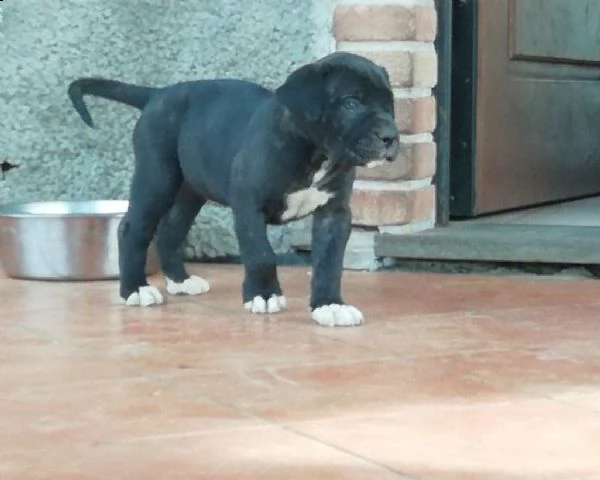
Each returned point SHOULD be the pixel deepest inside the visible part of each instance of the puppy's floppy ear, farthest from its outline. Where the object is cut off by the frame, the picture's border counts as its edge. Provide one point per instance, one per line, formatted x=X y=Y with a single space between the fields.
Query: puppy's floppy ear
x=303 y=93
x=386 y=76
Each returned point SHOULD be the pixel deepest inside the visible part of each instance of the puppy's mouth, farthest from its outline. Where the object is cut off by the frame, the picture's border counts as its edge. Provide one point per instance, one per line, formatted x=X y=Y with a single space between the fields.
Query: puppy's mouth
x=374 y=160
x=376 y=163
x=375 y=151
x=378 y=147
x=378 y=159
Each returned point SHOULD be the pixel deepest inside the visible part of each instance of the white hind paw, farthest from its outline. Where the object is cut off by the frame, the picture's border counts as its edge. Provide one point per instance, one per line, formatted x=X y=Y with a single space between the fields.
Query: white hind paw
x=145 y=297
x=276 y=303
x=190 y=286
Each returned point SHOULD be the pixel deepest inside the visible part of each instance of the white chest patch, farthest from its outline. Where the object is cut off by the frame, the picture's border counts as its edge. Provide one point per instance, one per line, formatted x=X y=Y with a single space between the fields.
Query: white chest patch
x=304 y=202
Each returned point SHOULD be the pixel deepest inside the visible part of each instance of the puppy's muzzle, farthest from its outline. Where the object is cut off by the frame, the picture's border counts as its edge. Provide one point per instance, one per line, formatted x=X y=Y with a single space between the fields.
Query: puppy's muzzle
x=389 y=136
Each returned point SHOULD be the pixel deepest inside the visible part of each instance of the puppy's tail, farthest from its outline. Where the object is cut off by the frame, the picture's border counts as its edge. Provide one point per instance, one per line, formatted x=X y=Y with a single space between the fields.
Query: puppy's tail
x=133 y=95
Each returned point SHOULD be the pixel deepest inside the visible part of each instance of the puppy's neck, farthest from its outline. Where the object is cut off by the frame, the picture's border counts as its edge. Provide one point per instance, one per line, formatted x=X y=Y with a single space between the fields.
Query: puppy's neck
x=297 y=128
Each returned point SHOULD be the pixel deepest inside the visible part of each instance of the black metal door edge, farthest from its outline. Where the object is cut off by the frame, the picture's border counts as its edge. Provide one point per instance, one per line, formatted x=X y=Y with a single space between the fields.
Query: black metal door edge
x=443 y=93
x=463 y=108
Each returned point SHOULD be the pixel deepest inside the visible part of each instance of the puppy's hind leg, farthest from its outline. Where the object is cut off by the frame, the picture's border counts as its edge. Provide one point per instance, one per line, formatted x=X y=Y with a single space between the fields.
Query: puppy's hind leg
x=170 y=236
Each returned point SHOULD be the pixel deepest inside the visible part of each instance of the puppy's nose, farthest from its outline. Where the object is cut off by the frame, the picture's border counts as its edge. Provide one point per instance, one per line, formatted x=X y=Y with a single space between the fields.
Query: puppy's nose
x=388 y=135
x=388 y=141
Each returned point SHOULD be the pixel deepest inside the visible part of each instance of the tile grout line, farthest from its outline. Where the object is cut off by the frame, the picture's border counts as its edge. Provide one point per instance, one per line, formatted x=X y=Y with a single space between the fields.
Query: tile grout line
x=283 y=427
x=345 y=451
x=591 y=410
x=485 y=313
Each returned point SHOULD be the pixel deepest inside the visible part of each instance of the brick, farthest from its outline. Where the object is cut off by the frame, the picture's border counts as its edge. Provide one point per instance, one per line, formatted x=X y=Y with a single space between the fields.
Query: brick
x=426 y=21
x=406 y=68
x=416 y=161
x=425 y=69
x=378 y=206
x=424 y=161
x=415 y=115
x=391 y=22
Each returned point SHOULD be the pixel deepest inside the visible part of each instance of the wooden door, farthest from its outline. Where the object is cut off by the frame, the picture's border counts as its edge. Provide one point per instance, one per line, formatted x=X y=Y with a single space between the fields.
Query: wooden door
x=526 y=103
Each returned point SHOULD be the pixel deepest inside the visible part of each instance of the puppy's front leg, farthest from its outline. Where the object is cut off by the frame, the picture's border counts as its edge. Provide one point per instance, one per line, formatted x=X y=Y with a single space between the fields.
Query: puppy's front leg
x=331 y=230
x=261 y=289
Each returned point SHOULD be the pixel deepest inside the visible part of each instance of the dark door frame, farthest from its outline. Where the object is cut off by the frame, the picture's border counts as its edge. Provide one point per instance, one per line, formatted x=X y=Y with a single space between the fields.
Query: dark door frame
x=443 y=94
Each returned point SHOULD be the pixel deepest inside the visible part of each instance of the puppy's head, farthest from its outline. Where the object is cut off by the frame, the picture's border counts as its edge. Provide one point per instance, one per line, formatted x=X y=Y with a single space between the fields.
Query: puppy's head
x=345 y=103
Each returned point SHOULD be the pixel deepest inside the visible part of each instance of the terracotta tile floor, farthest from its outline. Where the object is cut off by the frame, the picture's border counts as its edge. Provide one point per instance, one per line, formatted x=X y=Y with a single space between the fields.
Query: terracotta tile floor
x=453 y=377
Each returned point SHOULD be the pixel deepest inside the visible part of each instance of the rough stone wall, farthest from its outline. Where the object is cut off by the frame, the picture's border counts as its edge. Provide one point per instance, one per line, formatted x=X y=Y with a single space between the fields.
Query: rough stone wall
x=44 y=45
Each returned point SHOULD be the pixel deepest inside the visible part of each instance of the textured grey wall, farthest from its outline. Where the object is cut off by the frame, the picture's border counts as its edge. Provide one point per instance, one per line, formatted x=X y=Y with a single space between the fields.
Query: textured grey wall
x=45 y=44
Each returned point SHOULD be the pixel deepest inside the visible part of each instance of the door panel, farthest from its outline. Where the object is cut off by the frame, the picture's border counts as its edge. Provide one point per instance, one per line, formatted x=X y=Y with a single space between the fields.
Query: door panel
x=536 y=124
x=556 y=30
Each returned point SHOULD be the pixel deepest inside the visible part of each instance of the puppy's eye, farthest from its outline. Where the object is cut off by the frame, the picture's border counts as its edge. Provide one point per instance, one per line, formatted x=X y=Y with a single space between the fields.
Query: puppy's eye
x=351 y=103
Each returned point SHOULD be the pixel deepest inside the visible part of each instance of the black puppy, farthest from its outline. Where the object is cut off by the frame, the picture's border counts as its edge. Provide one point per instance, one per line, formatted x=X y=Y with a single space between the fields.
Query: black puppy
x=273 y=156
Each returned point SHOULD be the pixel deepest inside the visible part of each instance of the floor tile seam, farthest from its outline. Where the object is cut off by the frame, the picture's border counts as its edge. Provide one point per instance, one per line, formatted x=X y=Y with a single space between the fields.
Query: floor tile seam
x=270 y=425
x=200 y=399
x=274 y=424
x=77 y=385
x=539 y=307
x=531 y=396
x=578 y=406
x=434 y=407
x=99 y=351
x=185 y=393
x=281 y=366
x=37 y=334
x=400 y=359
x=476 y=313
x=279 y=425
x=133 y=373
x=41 y=341
x=140 y=439
x=401 y=475
x=188 y=434
x=286 y=423
x=403 y=357
x=45 y=336
x=113 y=306
x=241 y=310
x=337 y=340
x=427 y=316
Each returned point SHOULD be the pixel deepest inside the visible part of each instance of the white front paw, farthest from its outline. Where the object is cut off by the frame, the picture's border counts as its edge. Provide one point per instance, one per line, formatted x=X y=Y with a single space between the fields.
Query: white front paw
x=194 y=285
x=275 y=304
x=145 y=297
x=336 y=315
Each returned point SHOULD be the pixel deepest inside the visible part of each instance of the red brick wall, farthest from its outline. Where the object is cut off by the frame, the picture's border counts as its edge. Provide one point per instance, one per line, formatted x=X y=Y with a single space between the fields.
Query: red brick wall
x=399 y=35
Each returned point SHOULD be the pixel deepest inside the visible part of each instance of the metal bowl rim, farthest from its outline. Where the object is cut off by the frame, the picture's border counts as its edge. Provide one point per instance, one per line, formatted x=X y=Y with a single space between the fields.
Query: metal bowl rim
x=19 y=209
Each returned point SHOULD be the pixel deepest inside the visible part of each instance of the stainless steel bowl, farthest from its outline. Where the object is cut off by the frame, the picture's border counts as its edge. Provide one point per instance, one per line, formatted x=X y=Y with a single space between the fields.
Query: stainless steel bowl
x=63 y=240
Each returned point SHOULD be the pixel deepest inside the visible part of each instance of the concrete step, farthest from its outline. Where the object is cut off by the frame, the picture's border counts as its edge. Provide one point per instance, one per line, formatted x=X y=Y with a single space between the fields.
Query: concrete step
x=466 y=241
